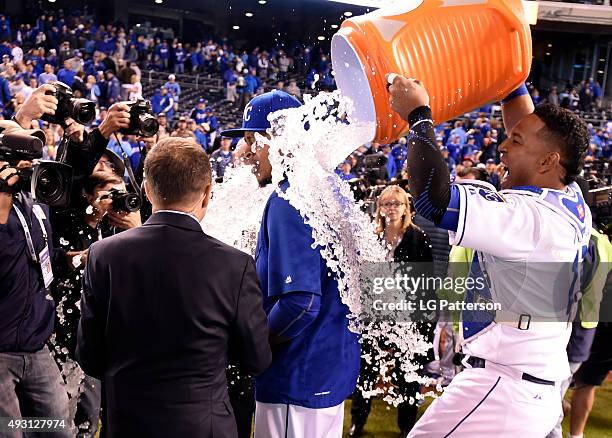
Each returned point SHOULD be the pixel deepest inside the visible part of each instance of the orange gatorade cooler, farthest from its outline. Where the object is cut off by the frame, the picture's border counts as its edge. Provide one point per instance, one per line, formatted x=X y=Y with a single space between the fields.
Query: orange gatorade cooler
x=466 y=52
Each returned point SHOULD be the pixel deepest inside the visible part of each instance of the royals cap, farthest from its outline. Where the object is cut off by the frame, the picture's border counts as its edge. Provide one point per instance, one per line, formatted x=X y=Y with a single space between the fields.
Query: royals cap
x=256 y=113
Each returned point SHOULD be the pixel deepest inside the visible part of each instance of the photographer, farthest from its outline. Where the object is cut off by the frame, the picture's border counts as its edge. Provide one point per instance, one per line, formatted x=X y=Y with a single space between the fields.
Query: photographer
x=84 y=149
x=89 y=225
x=26 y=314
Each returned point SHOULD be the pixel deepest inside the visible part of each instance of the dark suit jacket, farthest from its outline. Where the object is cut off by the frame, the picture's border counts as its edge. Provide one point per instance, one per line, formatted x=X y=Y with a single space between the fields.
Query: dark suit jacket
x=161 y=307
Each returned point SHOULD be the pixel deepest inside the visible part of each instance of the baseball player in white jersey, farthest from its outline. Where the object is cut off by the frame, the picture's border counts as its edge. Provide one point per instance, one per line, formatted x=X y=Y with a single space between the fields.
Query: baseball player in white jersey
x=529 y=240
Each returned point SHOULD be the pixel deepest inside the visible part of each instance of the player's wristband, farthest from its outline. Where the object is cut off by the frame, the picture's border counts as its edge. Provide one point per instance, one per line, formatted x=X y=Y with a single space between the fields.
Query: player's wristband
x=419 y=115
x=520 y=91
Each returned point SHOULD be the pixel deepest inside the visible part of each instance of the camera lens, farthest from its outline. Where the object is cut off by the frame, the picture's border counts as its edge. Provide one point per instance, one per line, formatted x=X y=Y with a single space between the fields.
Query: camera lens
x=82 y=110
x=148 y=125
x=132 y=202
x=50 y=185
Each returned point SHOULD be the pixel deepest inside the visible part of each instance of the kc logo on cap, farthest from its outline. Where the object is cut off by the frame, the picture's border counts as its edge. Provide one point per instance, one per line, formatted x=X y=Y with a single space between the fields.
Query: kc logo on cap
x=247 y=113
x=255 y=117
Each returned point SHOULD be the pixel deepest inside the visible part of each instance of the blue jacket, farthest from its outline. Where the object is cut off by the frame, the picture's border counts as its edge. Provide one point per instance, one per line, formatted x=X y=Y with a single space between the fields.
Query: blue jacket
x=251 y=83
x=66 y=76
x=26 y=315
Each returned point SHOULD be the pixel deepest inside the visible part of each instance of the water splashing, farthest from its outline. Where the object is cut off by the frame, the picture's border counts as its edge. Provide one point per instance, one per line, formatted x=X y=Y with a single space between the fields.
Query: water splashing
x=307 y=144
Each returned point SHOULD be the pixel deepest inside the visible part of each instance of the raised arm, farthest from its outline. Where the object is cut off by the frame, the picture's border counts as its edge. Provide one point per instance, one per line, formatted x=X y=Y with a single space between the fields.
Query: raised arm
x=429 y=179
x=517 y=105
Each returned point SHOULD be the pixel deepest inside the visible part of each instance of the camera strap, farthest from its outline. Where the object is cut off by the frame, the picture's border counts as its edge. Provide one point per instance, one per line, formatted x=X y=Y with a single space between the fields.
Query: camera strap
x=43 y=259
x=128 y=167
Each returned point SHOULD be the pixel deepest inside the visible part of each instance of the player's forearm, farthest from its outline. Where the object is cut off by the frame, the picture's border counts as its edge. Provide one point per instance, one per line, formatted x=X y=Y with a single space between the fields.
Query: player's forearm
x=428 y=176
x=517 y=105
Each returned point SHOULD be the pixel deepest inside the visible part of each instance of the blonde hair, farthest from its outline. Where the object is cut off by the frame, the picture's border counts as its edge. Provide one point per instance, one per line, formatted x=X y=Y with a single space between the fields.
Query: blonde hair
x=393 y=192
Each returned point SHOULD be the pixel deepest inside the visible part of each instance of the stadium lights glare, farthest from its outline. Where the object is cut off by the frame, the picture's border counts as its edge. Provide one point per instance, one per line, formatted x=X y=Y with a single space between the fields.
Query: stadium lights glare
x=348 y=14
x=321 y=38
x=334 y=26
x=262 y=2
x=248 y=14
x=51 y=1
x=236 y=27
x=159 y=2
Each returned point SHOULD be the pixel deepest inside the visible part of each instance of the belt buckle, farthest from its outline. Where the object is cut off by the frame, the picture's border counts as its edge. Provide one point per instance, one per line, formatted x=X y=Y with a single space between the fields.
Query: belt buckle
x=524 y=321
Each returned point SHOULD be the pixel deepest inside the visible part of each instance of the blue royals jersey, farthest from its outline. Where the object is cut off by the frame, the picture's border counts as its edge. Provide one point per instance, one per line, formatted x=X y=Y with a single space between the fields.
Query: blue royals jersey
x=319 y=367
x=200 y=116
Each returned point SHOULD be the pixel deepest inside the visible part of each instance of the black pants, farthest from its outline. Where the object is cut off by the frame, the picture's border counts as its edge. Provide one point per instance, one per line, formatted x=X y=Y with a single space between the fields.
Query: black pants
x=242 y=397
x=244 y=409
x=361 y=407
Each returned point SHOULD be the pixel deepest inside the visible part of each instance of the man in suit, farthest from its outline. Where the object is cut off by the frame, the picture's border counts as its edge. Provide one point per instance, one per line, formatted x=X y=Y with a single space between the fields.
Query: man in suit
x=162 y=306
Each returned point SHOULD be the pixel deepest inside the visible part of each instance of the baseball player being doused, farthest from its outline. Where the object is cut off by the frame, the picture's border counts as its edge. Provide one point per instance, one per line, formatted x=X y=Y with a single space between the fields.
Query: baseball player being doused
x=529 y=240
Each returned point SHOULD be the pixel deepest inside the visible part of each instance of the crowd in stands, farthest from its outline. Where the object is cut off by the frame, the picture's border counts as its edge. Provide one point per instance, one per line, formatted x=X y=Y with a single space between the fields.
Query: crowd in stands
x=105 y=64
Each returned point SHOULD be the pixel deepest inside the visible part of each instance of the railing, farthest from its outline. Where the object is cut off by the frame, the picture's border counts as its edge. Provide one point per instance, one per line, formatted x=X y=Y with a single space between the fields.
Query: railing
x=185 y=80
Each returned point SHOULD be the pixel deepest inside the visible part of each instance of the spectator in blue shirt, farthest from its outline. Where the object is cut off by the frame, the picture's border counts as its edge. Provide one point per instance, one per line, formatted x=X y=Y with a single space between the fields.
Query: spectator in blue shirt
x=459 y=132
x=47 y=76
x=346 y=172
x=251 y=83
x=122 y=148
x=392 y=171
x=198 y=131
x=399 y=152
x=450 y=162
x=470 y=148
x=167 y=104
x=156 y=101
x=66 y=74
x=113 y=88
x=5 y=91
x=491 y=168
x=179 y=59
x=163 y=53
x=174 y=89
x=195 y=60
x=199 y=112
x=210 y=126
x=221 y=158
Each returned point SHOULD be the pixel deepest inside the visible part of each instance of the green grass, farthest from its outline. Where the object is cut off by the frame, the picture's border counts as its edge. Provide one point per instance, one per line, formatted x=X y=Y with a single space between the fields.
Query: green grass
x=382 y=422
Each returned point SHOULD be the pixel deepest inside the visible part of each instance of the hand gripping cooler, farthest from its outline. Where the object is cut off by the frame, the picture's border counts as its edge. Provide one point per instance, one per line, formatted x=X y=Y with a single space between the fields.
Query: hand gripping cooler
x=466 y=52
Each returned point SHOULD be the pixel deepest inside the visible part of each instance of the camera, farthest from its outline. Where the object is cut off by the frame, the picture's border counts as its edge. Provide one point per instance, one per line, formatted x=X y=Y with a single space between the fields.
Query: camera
x=83 y=111
x=21 y=145
x=48 y=181
x=124 y=201
x=142 y=120
x=52 y=183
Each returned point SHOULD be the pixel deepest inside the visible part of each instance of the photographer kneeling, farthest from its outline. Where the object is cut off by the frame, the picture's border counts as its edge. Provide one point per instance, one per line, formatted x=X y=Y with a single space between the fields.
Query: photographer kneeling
x=30 y=382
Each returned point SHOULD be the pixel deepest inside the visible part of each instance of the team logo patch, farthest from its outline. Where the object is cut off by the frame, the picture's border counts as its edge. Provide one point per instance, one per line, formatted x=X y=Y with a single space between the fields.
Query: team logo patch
x=580 y=210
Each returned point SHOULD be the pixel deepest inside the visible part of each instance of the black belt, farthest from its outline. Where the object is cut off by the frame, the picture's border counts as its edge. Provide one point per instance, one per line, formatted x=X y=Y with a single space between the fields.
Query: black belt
x=477 y=362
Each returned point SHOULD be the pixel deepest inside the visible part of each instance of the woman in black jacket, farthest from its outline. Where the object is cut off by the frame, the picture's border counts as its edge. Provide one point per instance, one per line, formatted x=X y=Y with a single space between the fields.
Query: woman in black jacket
x=407 y=243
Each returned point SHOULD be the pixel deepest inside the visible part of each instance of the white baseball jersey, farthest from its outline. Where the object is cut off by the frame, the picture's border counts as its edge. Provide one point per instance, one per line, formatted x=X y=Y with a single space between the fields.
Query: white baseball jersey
x=529 y=243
